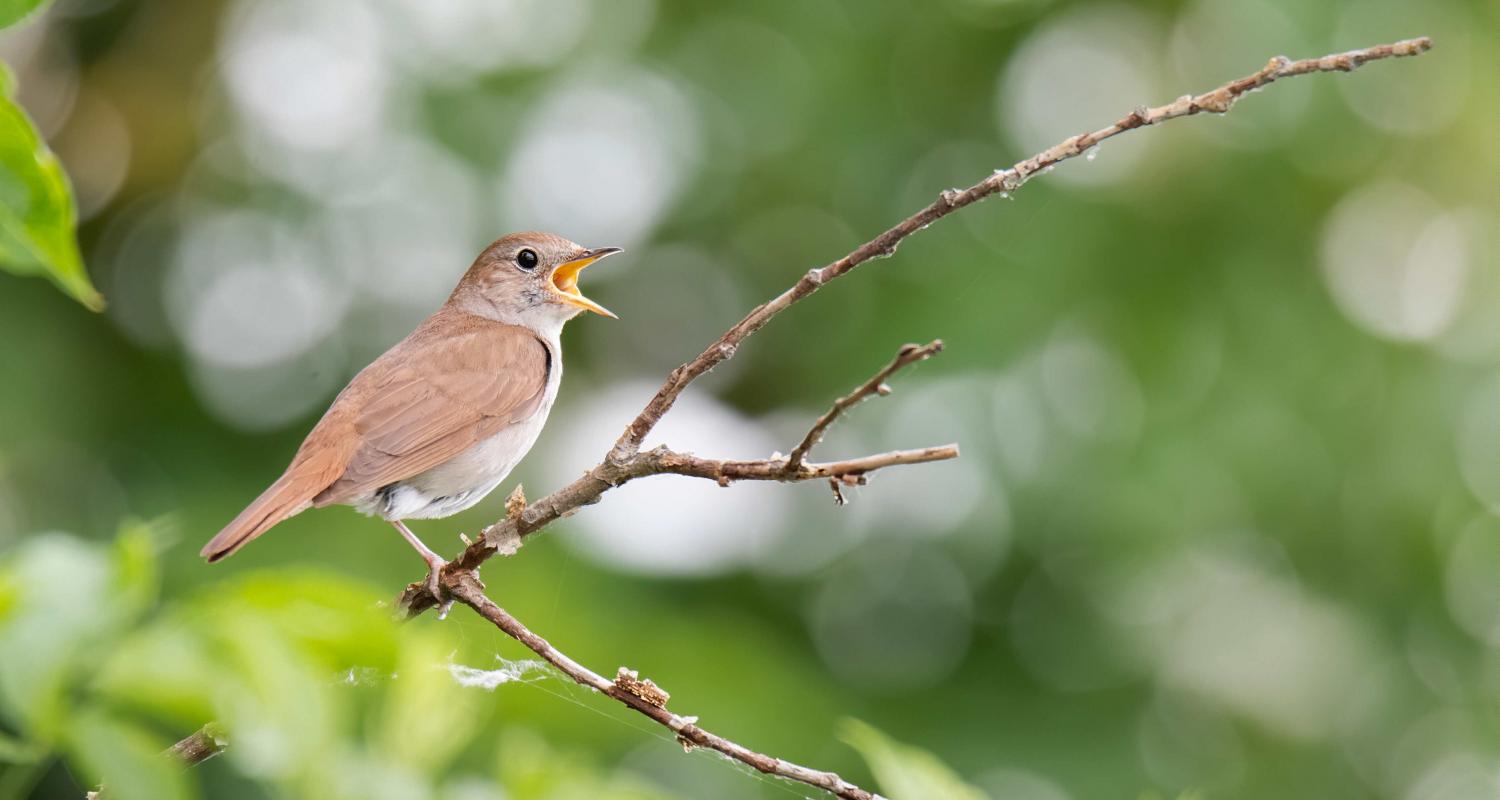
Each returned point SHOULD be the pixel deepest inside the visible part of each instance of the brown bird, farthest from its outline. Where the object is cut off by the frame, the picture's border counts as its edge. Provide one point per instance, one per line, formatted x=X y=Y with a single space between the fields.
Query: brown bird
x=437 y=422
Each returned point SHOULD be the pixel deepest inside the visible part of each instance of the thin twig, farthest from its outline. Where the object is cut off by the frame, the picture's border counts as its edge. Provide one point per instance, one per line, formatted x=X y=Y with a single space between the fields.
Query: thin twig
x=200 y=745
x=195 y=748
x=646 y=698
x=1217 y=101
x=776 y=470
x=909 y=354
x=506 y=535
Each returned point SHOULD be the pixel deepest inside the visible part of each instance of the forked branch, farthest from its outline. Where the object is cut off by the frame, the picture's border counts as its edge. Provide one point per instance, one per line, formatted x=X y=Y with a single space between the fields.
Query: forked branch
x=910 y=354
x=1217 y=101
x=522 y=520
x=625 y=461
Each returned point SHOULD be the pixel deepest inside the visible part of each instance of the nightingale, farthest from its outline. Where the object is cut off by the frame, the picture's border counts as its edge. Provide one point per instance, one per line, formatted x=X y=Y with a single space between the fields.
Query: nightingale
x=437 y=421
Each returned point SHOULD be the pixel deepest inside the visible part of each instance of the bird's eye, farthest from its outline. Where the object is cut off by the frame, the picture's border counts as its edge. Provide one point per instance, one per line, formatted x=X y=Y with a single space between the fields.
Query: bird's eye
x=526 y=259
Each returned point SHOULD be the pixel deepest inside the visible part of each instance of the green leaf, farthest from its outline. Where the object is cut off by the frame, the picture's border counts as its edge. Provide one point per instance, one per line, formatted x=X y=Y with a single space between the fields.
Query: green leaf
x=61 y=610
x=136 y=577
x=37 y=217
x=12 y=11
x=906 y=772
x=428 y=716
x=285 y=710
x=10 y=597
x=530 y=769
x=331 y=618
x=163 y=670
x=17 y=751
x=125 y=758
x=64 y=604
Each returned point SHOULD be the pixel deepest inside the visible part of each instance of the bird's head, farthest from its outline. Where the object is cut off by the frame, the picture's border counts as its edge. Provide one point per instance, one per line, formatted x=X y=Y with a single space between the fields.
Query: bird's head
x=530 y=278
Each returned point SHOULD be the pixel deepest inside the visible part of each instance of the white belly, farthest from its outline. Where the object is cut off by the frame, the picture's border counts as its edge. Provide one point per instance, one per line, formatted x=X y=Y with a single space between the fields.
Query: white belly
x=465 y=479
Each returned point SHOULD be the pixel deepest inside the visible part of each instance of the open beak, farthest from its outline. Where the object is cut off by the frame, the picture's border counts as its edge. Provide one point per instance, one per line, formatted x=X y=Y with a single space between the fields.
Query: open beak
x=565 y=280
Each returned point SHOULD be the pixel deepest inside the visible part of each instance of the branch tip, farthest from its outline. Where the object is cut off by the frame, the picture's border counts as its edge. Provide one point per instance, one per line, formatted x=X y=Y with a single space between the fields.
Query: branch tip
x=908 y=354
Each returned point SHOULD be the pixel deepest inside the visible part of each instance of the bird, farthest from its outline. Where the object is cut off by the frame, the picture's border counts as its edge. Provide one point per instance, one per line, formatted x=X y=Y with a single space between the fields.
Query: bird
x=439 y=420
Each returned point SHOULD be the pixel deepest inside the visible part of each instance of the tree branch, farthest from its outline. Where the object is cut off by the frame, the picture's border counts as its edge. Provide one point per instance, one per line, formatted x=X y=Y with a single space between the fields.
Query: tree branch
x=624 y=462
x=1217 y=101
x=523 y=520
x=199 y=746
x=645 y=697
x=195 y=748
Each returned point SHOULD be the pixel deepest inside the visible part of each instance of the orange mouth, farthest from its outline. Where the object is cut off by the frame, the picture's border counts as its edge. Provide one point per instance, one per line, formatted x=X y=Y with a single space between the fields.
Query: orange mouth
x=565 y=280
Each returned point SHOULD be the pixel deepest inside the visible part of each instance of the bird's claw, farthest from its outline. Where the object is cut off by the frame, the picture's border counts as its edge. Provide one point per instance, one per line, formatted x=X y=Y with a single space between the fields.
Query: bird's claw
x=435 y=582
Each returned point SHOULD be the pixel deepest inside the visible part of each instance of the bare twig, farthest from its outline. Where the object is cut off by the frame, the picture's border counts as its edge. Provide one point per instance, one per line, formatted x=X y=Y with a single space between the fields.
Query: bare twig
x=506 y=535
x=195 y=748
x=200 y=745
x=1218 y=101
x=909 y=354
x=645 y=697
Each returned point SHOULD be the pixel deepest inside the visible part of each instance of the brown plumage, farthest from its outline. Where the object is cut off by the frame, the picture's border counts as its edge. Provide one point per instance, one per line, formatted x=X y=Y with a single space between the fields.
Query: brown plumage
x=403 y=415
x=434 y=423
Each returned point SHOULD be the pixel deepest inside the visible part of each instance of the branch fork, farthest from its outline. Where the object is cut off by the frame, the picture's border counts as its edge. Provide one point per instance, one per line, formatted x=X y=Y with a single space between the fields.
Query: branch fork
x=521 y=520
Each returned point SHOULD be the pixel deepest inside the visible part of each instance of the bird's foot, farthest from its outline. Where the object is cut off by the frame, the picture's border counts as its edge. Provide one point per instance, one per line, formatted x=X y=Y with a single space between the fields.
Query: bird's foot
x=435 y=566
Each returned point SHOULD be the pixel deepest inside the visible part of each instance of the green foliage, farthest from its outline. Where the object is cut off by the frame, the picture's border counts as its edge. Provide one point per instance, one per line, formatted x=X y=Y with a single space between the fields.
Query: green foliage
x=424 y=722
x=37 y=217
x=15 y=751
x=13 y=11
x=68 y=600
x=905 y=772
x=530 y=769
x=320 y=691
x=111 y=749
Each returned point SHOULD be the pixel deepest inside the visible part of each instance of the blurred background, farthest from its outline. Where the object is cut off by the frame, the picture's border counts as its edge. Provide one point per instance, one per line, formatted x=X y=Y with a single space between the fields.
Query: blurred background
x=1227 y=395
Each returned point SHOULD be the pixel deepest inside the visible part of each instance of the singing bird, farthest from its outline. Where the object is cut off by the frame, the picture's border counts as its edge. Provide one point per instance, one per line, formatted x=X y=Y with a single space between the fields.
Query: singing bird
x=437 y=422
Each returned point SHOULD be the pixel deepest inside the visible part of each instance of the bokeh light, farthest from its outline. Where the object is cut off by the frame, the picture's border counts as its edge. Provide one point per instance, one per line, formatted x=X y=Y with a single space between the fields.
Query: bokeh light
x=666 y=525
x=1071 y=74
x=1395 y=263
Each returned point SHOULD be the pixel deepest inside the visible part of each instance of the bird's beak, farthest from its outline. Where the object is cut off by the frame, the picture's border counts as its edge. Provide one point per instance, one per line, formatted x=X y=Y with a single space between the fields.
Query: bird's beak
x=565 y=280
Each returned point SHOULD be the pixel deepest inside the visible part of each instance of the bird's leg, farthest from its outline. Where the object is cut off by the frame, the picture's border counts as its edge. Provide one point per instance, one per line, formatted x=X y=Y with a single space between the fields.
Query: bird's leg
x=435 y=562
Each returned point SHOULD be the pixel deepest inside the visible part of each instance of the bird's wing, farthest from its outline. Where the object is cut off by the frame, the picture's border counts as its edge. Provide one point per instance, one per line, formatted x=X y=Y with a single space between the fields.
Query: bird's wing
x=445 y=394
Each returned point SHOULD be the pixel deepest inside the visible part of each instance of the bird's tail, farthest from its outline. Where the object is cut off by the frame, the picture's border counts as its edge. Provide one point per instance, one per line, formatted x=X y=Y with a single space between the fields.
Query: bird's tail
x=286 y=497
